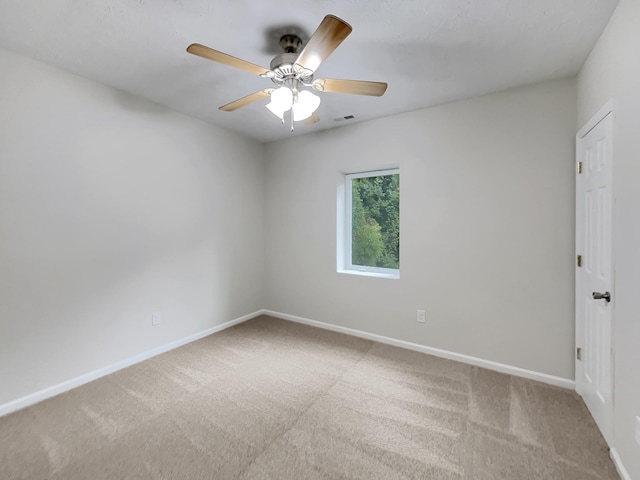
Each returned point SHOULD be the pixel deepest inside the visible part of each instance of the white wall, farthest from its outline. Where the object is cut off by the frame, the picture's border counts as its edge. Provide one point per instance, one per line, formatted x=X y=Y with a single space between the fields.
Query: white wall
x=112 y=208
x=486 y=219
x=613 y=71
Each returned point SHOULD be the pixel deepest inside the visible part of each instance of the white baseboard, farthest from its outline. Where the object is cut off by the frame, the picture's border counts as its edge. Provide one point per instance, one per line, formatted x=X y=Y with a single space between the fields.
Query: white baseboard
x=617 y=461
x=54 y=390
x=479 y=362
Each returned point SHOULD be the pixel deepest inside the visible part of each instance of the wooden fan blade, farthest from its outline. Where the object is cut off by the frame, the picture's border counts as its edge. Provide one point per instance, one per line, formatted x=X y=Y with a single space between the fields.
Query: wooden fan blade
x=355 y=87
x=331 y=32
x=244 y=101
x=216 y=56
x=314 y=118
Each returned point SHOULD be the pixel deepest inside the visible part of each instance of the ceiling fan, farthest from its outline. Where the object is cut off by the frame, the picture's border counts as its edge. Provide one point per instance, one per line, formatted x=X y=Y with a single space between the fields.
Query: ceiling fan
x=293 y=73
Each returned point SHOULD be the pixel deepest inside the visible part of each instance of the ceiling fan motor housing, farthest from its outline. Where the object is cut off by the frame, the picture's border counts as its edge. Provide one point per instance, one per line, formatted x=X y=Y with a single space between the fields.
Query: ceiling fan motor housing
x=284 y=62
x=282 y=67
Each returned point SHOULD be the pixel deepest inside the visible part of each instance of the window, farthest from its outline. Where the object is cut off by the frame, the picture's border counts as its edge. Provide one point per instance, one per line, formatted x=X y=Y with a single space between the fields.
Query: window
x=372 y=223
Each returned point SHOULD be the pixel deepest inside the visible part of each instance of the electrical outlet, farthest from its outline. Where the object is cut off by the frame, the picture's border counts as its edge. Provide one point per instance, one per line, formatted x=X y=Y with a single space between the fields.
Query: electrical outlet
x=638 y=430
x=156 y=319
x=421 y=316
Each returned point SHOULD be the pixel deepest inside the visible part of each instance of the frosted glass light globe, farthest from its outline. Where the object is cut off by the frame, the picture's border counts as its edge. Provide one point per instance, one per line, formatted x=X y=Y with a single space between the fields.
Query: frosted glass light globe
x=305 y=106
x=281 y=101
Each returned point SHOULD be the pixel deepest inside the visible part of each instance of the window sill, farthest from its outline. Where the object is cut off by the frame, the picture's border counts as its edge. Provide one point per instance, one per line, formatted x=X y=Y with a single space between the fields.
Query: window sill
x=394 y=276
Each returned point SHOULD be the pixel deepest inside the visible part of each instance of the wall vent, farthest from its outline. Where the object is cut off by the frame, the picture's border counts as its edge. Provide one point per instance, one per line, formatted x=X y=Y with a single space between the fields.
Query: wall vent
x=346 y=117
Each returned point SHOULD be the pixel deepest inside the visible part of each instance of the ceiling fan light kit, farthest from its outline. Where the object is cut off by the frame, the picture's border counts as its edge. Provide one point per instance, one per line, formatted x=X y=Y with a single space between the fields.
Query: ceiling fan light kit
x=291 y=97
x=293 y=72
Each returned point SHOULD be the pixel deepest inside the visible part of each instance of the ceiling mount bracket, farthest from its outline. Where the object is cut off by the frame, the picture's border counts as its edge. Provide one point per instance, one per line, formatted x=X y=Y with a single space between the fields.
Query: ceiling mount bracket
x=291 y=43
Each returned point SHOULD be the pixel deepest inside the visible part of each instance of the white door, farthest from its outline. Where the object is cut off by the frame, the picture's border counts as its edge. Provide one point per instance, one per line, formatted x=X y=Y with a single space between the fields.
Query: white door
x=594 y=269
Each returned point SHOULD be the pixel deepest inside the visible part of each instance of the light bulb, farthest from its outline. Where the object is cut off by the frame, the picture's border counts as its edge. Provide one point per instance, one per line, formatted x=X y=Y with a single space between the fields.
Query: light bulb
x=305 y=106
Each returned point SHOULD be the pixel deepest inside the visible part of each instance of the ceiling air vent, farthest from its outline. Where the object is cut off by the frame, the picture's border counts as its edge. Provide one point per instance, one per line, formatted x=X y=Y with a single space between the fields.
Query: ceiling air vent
x=346 y=117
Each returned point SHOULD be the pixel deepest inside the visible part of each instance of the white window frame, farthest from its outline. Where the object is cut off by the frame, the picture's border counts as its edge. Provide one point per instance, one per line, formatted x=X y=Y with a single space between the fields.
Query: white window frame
x=348 y=266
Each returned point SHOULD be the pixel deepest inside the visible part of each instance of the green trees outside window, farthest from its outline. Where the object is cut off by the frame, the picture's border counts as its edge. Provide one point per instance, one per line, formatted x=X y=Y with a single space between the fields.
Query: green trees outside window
x=375 y=221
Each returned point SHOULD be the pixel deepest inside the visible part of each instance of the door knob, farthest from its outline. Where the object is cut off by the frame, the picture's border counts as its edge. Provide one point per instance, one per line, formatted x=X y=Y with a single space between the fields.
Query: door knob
x=606 y=296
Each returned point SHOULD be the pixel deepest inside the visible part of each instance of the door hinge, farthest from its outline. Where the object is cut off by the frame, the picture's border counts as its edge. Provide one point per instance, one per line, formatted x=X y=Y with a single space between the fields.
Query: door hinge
x=579 y=260
x=579 y=353
x=579 y=167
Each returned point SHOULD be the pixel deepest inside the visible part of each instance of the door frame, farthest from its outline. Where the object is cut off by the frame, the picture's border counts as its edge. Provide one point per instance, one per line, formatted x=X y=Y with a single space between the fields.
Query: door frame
x=608 y=109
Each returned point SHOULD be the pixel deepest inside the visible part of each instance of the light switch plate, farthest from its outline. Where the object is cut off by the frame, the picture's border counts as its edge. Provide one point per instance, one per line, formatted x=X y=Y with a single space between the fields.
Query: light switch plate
x=421 y=316
x=156 y=318
x=638 y=430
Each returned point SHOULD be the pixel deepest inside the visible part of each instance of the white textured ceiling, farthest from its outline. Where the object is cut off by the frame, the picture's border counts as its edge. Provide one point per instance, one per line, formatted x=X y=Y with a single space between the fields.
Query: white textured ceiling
x=429 y=51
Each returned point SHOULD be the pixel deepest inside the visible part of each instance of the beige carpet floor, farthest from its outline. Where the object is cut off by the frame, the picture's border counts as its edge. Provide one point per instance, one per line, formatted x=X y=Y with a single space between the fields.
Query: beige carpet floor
x=269 y=399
